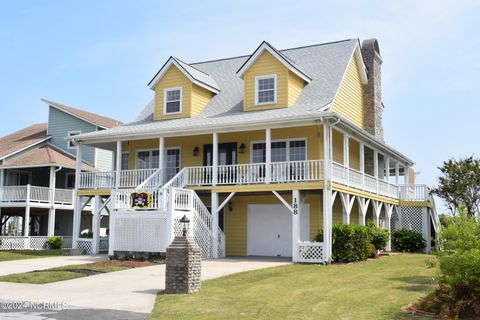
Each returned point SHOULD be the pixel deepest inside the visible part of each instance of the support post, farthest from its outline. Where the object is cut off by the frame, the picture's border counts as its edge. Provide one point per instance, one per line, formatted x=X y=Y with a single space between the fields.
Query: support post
x=118 y=166
x=96 y=218
x=268 y=154
x=362 y=163
x=51 y=211
x=26 y=223
x=296 y=212
x=77 y=210
x=2 y=177
x=346 y=156
x=161 y=155
x=215 y=159
x=387 y=169
x=327 y=194
x=375 y=167
x=397 y=173
x=405 y=174
x=214 y=207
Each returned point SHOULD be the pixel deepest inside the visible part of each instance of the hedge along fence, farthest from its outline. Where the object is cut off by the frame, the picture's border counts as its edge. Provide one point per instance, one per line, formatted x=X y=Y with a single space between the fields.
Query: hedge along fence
x=351 y=242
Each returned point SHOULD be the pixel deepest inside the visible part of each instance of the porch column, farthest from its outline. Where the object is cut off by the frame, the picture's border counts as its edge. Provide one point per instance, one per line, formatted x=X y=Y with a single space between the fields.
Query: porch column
x=327 y=194
x=214 y=207
x=2 y=177
x=118 y=165
x=96 y=217
x=346 y=156
x=161 y=158
x=405 y=174
x=77 y=209
x=362 y=163
x=397 y=172
x=215 y=160
x=268 y=154
x=51 y=211
x=296 y=212
x=387 y=169
x=26 y=222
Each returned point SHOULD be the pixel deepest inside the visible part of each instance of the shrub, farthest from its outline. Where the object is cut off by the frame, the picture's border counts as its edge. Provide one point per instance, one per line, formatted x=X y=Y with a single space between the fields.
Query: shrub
x=350 y=242
x=406 y=240
x=54 y=243
x=88 y=235
x=378 y=237
x=457 y=294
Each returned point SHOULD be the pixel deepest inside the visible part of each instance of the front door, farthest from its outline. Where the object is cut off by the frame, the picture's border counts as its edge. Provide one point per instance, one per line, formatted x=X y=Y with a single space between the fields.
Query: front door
x=227 y=155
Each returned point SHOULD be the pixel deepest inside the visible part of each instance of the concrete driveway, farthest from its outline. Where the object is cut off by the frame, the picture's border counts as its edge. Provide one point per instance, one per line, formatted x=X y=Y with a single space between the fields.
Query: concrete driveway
x=128 y=294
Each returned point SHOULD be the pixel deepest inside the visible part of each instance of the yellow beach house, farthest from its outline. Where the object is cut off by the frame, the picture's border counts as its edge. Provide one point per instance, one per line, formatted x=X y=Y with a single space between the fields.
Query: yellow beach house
x=259 y=152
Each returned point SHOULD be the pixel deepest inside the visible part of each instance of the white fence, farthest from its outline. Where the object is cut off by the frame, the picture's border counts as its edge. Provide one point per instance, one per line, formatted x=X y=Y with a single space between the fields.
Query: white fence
x=310 y=252
x=128 y=178
x=30 y=243
x=417 y=192
x=33 y=194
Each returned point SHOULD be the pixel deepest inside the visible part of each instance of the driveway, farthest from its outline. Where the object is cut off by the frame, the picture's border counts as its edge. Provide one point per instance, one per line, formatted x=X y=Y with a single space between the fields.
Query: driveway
x=128 y=294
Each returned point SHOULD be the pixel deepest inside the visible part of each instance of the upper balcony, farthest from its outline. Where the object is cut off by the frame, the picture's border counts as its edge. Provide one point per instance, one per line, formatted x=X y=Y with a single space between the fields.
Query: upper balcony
x=29 y=195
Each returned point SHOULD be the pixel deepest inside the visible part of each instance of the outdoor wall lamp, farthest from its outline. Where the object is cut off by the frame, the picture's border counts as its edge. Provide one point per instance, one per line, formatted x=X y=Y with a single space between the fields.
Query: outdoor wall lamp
x=230 y=206
x=242 y=148
x=184 y=221
x=196 y=150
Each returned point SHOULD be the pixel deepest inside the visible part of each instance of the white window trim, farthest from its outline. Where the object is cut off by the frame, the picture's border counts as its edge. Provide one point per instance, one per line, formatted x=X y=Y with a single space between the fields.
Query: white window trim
x=287 y=147
x=141 y=150
x=69 y=135
x=165 y=100
x=274 y=76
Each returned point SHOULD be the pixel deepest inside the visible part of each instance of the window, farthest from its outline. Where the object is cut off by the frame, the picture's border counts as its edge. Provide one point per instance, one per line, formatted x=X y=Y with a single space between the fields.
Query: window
x=124 y=162
x=147 y=159
x=18 y=178
x=70 y=180
x=70 y=144
x=172 y=101
x=284 y=150
x=172 y=162
x=266 y=90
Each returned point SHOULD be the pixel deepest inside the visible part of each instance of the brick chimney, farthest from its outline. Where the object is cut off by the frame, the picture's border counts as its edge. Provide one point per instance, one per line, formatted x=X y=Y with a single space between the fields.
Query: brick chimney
x=373 y=90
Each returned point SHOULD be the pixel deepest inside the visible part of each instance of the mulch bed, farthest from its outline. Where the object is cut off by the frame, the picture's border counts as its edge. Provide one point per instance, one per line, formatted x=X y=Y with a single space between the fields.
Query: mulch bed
x=126 y=263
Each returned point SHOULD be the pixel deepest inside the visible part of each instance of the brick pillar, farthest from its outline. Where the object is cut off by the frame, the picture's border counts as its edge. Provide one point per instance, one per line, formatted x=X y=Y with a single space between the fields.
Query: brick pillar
x=183 y=266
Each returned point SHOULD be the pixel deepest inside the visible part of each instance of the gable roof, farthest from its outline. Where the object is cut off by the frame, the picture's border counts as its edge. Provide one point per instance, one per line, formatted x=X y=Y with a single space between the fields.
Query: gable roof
x=195 y=75
x=44 y=156
x=325 y=64
x=22 y=139
x=89 y=117
x=282 y=58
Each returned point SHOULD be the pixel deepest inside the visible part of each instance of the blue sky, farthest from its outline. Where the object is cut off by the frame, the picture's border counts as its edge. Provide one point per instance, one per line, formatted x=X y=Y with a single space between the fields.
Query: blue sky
x=100 y=55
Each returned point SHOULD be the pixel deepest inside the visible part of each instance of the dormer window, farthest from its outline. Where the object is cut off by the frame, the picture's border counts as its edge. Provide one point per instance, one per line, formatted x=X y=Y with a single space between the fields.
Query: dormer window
x=266 y=90
x=172 y=101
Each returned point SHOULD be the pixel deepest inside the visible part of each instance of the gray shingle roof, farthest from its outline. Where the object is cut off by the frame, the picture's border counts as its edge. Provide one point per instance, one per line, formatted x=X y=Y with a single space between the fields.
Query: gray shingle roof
x=324 y=63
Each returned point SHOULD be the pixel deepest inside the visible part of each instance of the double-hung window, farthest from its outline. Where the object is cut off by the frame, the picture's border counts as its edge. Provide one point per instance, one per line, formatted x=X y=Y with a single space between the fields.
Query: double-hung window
x=172 y=101
x=282 y=150
x=147 y=159
x=266 y=90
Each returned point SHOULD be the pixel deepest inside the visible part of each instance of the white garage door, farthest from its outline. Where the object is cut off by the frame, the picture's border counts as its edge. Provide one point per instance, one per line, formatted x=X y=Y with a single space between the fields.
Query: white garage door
x=269 y=230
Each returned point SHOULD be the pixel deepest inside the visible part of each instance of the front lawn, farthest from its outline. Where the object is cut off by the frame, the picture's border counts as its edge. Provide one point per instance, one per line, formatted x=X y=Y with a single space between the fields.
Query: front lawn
x=71 y=272
x=375 y=289
x=9 y=255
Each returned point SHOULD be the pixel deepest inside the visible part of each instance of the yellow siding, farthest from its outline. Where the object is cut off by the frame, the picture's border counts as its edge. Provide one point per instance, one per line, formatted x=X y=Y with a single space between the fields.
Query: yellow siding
x=295 y=86
x=200 y=98
x=349 y=99
x=173 y=78
x=266 y=64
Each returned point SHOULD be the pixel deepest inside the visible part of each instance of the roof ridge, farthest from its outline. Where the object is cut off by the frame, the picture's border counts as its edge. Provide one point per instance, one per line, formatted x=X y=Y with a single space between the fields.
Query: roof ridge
x=25 y=128
x=176 y=58
x=287 y=49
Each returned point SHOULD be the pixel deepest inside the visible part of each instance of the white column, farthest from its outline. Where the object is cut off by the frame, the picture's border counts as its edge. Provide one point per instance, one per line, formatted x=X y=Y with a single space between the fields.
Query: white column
x=118 y=166
x=362 y=163
x=297 y=211
x=327 y=195
x=375 y=163
x=405 y=174
x=26 y=223
x=77 y=210
x=215 y=159
x=161 y=157
x=2 y=177
x=346 y=156
x=96 y=217
x=397 y=172
x=51 y=211
x=268 y=154
x=387 y=169
x=214 y=207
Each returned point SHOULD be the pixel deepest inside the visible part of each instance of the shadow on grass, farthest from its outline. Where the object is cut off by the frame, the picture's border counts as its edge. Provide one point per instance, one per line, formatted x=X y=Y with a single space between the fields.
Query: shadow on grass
x=415 y=283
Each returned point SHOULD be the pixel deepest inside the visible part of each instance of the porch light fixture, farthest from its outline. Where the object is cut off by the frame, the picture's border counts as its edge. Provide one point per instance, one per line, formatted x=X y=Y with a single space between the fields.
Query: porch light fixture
x=196 y=150
x=230 y=206
x=185 y=221
x=242 y=148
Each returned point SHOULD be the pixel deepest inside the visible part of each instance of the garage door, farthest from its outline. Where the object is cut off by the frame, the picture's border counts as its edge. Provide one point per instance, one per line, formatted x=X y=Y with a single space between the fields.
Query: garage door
x=269 y=230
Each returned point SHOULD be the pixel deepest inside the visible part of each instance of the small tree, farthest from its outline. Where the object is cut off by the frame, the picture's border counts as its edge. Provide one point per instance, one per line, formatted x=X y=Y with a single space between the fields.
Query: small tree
x=459 y=185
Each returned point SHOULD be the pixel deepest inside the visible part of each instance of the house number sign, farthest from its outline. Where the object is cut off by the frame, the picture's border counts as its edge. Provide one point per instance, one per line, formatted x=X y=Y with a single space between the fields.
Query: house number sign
x=295 y=206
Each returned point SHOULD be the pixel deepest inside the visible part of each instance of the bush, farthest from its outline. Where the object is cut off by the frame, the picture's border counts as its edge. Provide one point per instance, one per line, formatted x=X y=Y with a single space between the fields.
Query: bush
x=457 y=294
x=88 y=235
x=350 y=242
x=54 y=243
x=378 y=237
x=406 y=240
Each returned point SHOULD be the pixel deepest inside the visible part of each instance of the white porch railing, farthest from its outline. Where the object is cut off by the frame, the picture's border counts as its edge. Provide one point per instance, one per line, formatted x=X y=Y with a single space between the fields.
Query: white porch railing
x=416 y=192
x=310 y=252
x=106 y=179
x=122 y=199
x=34 y=194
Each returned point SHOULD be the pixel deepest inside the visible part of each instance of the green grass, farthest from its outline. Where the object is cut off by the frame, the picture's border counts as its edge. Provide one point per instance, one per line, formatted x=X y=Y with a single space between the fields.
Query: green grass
x=62 y=273
x=28 y=254
x=375 y=289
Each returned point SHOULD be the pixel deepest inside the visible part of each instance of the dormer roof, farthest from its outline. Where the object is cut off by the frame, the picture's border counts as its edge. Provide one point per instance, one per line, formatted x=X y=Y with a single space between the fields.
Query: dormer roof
x=287 y=62
x=195 y=75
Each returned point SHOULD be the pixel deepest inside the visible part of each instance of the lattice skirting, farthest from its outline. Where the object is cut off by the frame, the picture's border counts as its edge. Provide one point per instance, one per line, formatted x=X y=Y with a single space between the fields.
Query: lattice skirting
x=30 y=243
x=85 y=244
x=411 y=218
x=310 y=252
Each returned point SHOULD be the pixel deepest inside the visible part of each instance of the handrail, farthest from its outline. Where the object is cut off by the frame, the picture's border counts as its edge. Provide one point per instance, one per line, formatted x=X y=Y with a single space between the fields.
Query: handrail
x=156 y=178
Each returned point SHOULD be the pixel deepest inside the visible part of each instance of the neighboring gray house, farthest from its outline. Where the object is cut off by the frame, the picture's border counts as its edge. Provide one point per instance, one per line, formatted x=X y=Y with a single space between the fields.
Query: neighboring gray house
x=37 y=172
